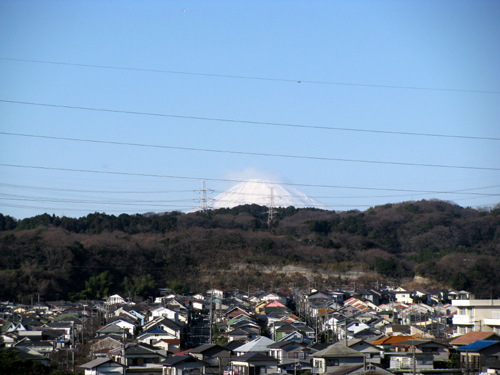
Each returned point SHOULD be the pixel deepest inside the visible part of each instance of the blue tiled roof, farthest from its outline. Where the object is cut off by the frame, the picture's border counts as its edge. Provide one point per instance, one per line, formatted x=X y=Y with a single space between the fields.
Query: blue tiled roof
x=478 y=345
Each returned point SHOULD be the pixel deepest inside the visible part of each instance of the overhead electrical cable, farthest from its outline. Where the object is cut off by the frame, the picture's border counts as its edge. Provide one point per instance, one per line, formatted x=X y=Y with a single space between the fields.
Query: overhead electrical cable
x=232 y=180
x=253 y=153
x=65 y=208
x=60 y=190
x=295 y=81
x=89 y=202
x=26 y=187
x=247 y=121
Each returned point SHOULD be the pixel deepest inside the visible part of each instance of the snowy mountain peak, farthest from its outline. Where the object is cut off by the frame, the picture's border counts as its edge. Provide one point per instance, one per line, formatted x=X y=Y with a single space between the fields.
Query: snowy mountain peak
x=259 y=192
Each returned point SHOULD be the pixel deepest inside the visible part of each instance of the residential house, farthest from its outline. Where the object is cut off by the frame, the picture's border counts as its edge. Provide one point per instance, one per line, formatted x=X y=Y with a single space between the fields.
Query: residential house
x=368 y=369
x=115 y=299
x=103 y=366
x=460 y=295
x=118 y=327
x=216 y=357
x=482 y=356
x=218 y=293
x=164 y=312
x=154 y=335
x=439 y=350
x=290 y=352
x=169 y=345
x=335 y=357
x=238 y=334
x=234 y=312
x=359 y=305
x=254 y=364
x=258 y=345
x=386 y=343
x=138 y=354
x=281 y=298
x=407 y=361
x=102 y=345
x=371 y=295
x=403 y=295
x=183 y=365
x=356 y=327
x=174 y=329
x=472 y=337
x=371 y=352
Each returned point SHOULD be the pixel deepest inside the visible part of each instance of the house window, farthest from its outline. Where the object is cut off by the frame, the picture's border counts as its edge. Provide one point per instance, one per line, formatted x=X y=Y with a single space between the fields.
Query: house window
x=332 y=362
x=430 y=350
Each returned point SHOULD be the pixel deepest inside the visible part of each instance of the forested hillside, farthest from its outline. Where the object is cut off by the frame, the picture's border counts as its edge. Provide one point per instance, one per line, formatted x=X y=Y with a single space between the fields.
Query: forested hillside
x=96 y=255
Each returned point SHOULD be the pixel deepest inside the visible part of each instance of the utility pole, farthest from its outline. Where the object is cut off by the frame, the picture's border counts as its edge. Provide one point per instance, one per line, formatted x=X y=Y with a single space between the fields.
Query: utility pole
x=211 y=302
x=346 y=343
x=73 y=344
x=414 y=361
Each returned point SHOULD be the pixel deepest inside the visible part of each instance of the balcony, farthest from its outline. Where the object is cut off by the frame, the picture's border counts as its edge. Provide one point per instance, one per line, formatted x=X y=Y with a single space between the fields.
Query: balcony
x=492 y=322
x=476 y=363
x=463 y=319
x=298 y=356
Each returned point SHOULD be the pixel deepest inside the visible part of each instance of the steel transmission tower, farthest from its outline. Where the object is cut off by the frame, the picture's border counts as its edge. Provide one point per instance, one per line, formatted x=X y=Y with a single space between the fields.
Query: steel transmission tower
x=203 y=196
x=271 y=211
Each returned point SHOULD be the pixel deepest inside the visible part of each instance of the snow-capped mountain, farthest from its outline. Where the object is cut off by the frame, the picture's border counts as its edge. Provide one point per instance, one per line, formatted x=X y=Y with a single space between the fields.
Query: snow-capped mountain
x=259 y=192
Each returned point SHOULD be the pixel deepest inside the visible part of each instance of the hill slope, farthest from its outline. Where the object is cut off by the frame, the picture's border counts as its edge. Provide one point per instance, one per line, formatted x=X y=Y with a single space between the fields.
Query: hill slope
x=99 y=254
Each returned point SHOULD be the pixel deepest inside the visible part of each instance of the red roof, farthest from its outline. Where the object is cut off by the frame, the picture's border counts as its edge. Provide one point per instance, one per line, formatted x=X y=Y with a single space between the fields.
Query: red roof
x=185 y=352
x=471 y=337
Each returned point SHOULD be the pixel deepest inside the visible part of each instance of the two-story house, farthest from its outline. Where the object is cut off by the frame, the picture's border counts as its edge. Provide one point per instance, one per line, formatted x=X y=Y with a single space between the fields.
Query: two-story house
x=334 y=357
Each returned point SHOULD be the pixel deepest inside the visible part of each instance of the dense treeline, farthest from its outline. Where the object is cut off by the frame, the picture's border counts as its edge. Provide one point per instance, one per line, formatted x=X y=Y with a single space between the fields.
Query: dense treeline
x=96 y=255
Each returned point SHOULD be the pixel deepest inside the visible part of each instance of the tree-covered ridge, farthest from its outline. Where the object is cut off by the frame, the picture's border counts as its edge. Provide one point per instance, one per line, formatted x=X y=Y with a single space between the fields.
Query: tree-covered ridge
x=99 y=254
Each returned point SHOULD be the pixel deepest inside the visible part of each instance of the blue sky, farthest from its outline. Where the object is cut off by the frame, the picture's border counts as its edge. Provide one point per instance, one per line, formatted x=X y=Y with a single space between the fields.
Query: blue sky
x=422 y=67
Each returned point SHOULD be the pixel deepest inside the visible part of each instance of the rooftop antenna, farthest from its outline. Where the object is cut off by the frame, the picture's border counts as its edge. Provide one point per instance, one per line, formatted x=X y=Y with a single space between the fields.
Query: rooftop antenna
x=271 y=211
x=203 y=196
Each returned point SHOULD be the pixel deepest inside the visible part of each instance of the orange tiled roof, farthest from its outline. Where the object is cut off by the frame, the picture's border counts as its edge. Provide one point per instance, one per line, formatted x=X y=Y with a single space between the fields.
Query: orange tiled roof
x=389 y=340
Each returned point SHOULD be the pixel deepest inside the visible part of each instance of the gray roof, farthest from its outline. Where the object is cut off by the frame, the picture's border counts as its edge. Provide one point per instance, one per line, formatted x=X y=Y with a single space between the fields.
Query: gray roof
x=98 y=362
x=204 y=347
x=337 y=350
x=258 y=345
x=176 y=359
x=110 y=328
x=254 y=357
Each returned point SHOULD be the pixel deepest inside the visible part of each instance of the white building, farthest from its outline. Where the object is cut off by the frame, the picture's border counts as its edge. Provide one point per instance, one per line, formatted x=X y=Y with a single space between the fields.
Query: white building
x=476 y=315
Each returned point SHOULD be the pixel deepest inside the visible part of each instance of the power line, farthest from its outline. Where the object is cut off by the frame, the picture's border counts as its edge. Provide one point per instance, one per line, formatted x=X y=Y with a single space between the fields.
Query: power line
x=4 y=196
x=48 y=189
x=69 y=209
x=295 y=81
x=59 y=190
x=93 y=191
x=247 y=121
x=234 y=180
x=252 y=153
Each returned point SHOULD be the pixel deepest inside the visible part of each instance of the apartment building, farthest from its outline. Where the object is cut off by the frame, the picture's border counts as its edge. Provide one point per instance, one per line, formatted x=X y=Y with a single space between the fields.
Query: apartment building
x=476 y=315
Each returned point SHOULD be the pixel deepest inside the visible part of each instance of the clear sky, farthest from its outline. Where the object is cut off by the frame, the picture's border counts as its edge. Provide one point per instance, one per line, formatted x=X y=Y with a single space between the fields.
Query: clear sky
x=218 y=84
